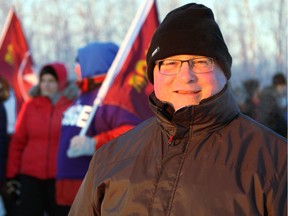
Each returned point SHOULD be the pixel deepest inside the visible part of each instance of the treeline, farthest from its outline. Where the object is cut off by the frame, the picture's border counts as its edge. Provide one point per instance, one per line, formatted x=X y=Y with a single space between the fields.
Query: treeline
x=255 y=31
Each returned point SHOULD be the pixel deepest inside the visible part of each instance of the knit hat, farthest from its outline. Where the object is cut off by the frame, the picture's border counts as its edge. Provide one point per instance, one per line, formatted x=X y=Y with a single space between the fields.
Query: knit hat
x=96 y=58
x=190 y=29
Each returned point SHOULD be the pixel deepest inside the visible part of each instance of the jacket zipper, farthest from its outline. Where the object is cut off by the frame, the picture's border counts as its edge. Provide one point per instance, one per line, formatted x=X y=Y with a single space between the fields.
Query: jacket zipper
x=183 y=157
x=170 y=141
x=49 y=141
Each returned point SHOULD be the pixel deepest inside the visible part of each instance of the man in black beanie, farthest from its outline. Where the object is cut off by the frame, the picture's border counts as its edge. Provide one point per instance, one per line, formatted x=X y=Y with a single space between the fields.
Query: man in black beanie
x=199 y=155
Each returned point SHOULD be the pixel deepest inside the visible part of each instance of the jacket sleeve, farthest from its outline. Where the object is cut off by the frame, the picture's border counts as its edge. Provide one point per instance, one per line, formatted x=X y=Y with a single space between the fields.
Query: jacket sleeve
x=117 y=120
x=105 y=137
x=277 y=195
x=281 y=197
x=83 y=203
x=18 y=143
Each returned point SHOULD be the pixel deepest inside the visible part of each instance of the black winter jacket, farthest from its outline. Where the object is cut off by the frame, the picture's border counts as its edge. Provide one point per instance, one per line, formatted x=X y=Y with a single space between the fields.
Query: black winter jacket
x=207 y=159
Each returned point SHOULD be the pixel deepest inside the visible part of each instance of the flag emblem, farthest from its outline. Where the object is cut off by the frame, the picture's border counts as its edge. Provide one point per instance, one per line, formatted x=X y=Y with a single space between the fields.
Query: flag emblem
x=9 y=54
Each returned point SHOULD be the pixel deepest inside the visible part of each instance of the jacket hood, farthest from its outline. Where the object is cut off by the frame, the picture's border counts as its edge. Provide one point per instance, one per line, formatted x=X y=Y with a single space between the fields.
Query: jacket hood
x=96 y=58
x=60 y=71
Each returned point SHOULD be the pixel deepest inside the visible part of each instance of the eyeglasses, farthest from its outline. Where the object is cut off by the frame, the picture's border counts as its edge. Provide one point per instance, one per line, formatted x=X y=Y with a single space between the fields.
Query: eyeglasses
x=173 y=66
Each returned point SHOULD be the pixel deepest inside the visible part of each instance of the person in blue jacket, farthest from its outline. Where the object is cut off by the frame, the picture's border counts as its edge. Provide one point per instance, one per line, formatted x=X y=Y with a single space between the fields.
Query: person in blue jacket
x=75 y=151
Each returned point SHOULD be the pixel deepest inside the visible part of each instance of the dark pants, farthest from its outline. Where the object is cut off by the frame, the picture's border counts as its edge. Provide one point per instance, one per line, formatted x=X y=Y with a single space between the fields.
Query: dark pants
x=38 y=196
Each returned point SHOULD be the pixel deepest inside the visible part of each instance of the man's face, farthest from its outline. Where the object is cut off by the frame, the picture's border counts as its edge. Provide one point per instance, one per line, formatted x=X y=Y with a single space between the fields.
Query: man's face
x=187 y=88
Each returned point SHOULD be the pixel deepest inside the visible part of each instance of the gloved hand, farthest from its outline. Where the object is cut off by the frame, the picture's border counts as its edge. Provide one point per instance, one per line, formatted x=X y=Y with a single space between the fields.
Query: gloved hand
x=81 y=146
x=12 y=190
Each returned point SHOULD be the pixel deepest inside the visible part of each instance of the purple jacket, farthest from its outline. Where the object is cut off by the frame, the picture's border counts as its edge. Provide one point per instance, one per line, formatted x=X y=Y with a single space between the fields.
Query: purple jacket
x=107 y=117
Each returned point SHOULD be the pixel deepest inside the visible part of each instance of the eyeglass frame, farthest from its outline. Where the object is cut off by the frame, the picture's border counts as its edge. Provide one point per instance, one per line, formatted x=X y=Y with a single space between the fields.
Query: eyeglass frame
x=182 y=61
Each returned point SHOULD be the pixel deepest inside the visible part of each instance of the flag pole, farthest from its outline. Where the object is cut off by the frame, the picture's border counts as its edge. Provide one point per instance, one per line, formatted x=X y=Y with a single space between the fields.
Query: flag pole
x=119 y=59
x=6 y=26
x=20 y=75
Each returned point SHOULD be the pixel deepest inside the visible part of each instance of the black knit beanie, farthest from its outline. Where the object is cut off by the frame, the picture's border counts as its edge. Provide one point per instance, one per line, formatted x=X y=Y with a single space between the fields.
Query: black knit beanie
x=190 y=29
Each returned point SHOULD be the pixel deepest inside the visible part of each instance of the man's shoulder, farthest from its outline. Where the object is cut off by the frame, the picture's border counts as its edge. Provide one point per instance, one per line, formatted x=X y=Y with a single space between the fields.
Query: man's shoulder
x=130 y=143
x=143 y=130
x=250 y=127
x=145 y=125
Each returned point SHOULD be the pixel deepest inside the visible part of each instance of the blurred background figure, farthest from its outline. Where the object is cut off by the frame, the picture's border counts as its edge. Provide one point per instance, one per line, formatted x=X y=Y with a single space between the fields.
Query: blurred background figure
x=251 y=104
x=11 y=113
x=273 y=105
x=75 y=152
x=10 y=106
x=32 y=156
x=4 y=95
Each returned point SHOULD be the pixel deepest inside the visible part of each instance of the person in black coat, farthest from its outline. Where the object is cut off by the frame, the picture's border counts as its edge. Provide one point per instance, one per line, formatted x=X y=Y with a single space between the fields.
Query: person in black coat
x=4 y=94
x=273 y=105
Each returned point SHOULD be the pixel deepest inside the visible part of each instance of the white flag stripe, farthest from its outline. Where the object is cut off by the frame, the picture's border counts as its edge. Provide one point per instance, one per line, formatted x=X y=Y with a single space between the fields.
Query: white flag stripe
x=20 y=75
x=120 y=58
x=6 y=26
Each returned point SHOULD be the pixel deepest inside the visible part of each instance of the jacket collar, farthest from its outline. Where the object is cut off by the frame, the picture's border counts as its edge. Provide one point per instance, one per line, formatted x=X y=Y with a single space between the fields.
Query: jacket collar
x=90 y=83
x=210 y=115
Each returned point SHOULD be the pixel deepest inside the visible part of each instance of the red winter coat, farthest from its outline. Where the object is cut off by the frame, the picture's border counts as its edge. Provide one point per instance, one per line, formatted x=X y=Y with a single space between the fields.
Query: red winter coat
x=34 y=146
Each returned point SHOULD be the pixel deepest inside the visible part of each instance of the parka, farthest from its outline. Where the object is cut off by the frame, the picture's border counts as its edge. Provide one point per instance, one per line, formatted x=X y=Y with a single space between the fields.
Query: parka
x=34 y=145
x=207 y=159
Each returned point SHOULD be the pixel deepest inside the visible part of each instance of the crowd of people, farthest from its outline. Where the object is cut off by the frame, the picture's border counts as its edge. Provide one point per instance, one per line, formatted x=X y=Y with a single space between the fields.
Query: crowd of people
x=202 y=153
x=267 y=105
x=47 y=158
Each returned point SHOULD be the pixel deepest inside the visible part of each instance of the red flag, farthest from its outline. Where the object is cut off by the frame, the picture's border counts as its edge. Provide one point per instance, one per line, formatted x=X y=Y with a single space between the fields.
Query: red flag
x=15 y=59
x=131 y=88
x=126 y=84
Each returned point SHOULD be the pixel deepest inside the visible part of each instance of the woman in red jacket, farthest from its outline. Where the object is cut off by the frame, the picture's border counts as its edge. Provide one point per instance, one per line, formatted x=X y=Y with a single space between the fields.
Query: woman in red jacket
x=34 y=146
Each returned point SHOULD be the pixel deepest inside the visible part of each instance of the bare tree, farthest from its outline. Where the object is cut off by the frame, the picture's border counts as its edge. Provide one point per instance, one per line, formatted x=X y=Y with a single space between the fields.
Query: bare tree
x=281 y=35
x=255 y=31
